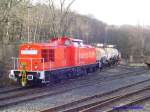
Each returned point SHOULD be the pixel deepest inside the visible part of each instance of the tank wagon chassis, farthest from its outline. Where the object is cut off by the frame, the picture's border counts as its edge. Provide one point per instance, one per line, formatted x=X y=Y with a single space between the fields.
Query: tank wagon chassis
x=30 y=78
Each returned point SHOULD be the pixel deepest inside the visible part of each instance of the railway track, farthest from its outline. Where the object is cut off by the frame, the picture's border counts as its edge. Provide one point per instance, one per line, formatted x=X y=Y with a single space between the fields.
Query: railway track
x=107 y=101
x=127 y=99
x=120 y=102
x=26 y=95
x=10 y=89
x=18 y=88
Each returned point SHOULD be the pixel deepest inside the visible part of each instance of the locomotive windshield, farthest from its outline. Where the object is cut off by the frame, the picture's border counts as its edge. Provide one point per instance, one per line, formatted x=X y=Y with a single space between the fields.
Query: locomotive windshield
x=28 y=52
x=77 y=43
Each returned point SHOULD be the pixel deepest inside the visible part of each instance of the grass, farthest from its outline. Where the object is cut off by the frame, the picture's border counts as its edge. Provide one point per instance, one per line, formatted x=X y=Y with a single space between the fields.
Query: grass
x=137 y=64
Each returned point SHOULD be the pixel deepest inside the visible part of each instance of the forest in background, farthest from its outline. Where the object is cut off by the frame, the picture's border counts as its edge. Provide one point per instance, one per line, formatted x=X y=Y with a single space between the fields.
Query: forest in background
x=22 y=21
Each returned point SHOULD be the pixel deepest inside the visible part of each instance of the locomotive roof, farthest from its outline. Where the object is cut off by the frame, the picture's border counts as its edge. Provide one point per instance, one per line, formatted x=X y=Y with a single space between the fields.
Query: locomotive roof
x=51 y=43
x=36 y=43
x=64 y=38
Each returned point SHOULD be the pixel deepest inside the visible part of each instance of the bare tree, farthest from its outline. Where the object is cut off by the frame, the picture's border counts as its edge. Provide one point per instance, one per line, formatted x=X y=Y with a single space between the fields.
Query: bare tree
x=59 y=24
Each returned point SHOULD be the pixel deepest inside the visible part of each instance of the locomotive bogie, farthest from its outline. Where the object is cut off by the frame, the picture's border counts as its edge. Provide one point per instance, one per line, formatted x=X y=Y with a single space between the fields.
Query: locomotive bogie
x=34 y=78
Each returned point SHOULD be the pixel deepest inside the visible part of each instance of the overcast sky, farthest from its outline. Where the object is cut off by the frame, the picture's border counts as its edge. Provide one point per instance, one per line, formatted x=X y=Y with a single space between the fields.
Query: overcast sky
x=116 y=12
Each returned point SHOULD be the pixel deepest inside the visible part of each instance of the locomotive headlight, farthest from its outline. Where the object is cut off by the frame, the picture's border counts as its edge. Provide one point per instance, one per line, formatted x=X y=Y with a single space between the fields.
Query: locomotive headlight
x=35 y=66
x=20 y=75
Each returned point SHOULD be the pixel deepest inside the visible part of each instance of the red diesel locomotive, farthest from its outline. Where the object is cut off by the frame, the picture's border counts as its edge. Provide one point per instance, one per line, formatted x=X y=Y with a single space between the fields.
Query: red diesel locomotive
x=47 y=62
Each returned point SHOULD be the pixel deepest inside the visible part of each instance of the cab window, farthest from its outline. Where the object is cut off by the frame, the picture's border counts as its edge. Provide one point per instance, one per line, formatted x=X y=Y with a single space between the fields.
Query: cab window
x=67 y=43
x=76 y=43
x=48 y=55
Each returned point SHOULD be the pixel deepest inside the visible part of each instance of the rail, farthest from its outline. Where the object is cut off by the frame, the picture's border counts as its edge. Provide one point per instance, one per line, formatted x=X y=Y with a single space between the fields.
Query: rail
x=16 y=62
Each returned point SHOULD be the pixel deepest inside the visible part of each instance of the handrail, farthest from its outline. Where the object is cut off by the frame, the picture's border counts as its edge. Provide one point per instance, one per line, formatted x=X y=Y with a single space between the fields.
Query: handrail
x=15 y=62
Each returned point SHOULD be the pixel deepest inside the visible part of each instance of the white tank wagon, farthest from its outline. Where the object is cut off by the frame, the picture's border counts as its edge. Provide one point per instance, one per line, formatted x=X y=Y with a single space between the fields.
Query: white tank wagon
x=109 y=52
x=101 y=57
x=107 y=55
x=112 y=51
x=115 y=52
x=100 y=53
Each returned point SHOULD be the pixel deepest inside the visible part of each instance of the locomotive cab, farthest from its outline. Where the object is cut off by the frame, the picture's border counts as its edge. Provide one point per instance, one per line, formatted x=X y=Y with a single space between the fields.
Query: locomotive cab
x=30 y=56
x=27 y=66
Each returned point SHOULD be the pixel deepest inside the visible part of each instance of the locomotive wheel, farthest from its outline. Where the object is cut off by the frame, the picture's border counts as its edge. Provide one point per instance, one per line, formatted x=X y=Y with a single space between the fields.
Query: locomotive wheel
x=56 y=79
x=91 y=70
x=78 y=72
x=84 y=72
x=69 y=75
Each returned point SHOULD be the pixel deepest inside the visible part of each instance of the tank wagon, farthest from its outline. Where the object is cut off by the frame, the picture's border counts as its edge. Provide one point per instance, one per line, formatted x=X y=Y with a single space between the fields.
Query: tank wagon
x=112 y=55
x=58 y=59
x=108 y=55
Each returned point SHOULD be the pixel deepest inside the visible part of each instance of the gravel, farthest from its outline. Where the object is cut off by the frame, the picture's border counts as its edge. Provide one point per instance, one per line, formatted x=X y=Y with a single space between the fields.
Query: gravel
x=144 y=106
x=46 y=102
